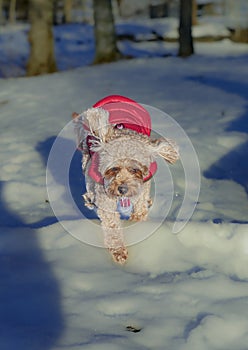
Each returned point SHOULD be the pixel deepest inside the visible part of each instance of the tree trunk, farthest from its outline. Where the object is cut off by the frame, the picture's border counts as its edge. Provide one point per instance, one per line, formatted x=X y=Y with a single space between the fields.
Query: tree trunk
x=119 y=7
x=240 y=35
x=194 y=13
x=105 y=37
x=2 y=19
x=42 y=58
x=185 y=35
x=67 y=10
x=12 y=11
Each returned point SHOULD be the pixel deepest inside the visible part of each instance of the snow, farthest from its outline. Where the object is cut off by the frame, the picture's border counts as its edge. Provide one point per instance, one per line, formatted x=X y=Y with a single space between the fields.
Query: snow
x=178 y=291
x=74 y=43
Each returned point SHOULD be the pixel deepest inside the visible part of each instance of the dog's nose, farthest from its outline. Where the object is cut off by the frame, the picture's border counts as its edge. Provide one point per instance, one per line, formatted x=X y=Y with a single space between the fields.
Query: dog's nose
x=122 y=189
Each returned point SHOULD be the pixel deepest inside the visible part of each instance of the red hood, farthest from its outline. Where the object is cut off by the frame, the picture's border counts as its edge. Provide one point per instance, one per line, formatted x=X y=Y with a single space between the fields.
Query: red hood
x=126 y=112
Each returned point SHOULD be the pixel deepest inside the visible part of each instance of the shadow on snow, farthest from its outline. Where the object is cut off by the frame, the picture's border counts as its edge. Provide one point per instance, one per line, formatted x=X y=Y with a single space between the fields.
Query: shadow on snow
x=76 y=178
x=232 y=166
x=31 y=316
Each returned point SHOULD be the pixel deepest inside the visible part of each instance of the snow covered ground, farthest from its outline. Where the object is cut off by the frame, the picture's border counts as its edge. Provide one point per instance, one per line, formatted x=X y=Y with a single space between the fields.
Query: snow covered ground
x=177 y=292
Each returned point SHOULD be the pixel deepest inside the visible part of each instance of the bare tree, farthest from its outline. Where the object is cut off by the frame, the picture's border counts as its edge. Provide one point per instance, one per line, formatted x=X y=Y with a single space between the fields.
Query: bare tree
x=2 y=19
x=42 y=58
x=12 y=11
x=105 y=37
x=237 y=19
x=185 y=32
x=194 y=13
x=67 y=10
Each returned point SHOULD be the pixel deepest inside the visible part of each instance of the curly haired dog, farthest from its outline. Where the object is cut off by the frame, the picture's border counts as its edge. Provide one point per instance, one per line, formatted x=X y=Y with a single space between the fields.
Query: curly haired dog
x=118 y=163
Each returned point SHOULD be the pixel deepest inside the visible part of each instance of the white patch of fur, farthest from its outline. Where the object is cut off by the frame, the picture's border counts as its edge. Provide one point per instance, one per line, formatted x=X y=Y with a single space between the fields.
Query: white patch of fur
x=166 y=149
x=97 y=119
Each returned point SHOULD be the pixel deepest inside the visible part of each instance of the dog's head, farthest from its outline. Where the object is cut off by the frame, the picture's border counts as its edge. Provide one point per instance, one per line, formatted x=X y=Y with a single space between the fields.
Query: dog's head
x=125 y=161
x=124 y=178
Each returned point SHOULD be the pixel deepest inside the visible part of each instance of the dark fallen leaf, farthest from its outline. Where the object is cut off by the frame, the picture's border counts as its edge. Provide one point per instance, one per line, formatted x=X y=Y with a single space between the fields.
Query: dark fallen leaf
x=133 y=329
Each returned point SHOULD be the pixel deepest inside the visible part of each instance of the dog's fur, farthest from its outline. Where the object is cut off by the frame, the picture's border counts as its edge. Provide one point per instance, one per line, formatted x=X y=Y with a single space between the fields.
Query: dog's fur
x=124 y=157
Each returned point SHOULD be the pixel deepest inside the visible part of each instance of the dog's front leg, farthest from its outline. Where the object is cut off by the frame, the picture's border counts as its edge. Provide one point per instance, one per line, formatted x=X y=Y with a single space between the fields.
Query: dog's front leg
x=113 y=235
x=142 y=204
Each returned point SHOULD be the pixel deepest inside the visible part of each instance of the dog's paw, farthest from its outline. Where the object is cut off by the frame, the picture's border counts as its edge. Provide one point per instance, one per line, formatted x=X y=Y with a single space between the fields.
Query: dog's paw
x=119 y=255
x=149 y=202
x=88 y=201
x=139 y=216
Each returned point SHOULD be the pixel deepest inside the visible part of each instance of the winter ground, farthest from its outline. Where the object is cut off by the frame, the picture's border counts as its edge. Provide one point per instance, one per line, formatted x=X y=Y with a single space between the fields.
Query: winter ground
x=186 y=291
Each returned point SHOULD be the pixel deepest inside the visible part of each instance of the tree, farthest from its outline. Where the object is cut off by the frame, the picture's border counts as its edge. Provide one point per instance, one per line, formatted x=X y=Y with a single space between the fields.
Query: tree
x=42 y=58
x=185 y=33
x=194 y=13
x=2 y=19
x=67 y=10
x=237 y=19
x=104 y=29
x=12 y=11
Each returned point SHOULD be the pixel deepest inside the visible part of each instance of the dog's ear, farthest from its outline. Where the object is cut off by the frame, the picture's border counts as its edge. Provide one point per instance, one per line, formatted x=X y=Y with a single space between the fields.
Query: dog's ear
x=97 y=121
x=165 y=148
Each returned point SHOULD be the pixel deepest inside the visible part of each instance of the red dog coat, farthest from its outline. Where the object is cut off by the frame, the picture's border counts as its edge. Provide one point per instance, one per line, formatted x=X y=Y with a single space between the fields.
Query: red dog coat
x=123 y=113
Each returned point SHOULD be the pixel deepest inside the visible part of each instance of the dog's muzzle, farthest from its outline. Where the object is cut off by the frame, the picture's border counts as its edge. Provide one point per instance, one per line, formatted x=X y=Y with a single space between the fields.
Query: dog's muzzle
x=123 y=189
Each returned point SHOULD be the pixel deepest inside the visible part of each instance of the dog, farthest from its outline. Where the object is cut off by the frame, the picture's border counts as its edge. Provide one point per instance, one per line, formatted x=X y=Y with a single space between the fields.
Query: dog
x=118 y=161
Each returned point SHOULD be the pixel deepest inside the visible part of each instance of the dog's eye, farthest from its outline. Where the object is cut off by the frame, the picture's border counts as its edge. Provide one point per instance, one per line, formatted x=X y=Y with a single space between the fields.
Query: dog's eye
x=114 y=169
x=111 y=172
x=134 y=170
